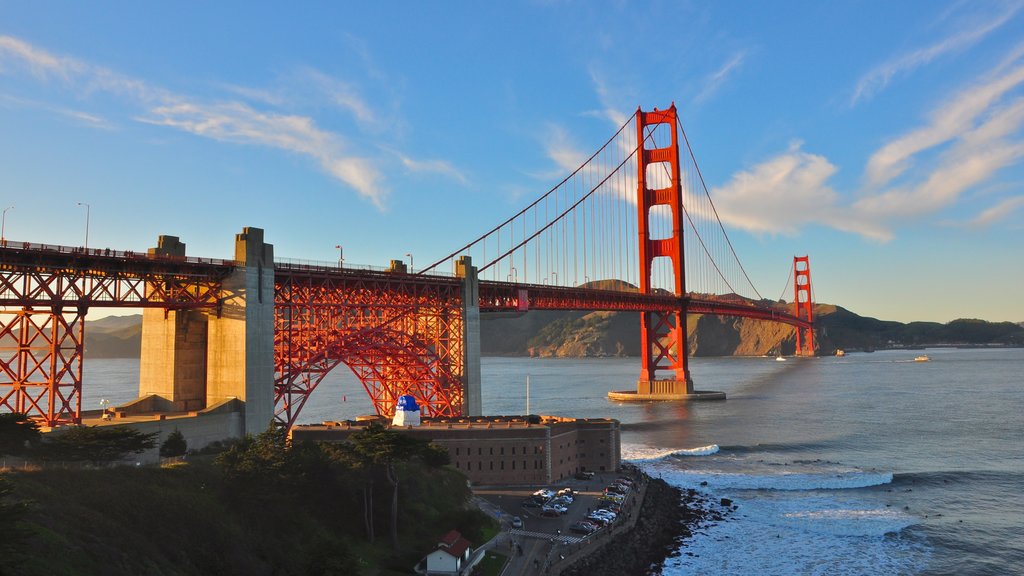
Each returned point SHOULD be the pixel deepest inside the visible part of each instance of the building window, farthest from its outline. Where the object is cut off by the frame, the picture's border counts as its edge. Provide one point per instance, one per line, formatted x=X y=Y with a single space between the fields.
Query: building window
x=502 y=464
x=492 y=450
x=524 y=464
x=492 y=464
x=479 y=465
x=513 y=464
x=513 y=450
x=456 y=464
x=456 y=451
x=502 y=450
x=479 y=451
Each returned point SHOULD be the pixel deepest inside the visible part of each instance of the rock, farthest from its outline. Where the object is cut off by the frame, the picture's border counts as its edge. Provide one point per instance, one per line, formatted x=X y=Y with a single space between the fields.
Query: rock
x=726 y=502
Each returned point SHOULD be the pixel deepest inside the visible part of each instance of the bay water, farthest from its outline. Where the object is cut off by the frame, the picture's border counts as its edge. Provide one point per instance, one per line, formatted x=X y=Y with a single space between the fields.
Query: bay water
x=865 y=464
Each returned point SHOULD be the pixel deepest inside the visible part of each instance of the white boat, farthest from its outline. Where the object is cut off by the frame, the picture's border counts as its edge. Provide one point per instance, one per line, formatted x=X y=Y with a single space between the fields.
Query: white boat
x=780 y=359
x=922 y=358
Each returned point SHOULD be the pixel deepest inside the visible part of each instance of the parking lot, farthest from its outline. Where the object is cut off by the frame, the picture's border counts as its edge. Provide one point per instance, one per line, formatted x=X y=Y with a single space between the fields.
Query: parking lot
x=535 y=522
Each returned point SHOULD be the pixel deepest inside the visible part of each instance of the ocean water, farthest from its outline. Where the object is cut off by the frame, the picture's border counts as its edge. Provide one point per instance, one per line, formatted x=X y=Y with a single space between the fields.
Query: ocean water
x=867 y=464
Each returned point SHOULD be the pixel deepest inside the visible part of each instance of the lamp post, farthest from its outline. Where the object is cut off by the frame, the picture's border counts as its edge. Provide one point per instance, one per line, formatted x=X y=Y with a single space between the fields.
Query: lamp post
x=88 y=210
x=411 y=267
x=3 y=224
x=341 y=256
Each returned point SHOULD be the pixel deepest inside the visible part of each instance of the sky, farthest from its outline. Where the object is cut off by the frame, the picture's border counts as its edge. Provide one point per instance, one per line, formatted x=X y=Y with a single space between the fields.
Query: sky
x=883 y=139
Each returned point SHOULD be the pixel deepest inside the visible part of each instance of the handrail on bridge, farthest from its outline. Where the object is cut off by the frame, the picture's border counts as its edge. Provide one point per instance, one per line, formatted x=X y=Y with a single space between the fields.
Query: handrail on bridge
x=109 y=253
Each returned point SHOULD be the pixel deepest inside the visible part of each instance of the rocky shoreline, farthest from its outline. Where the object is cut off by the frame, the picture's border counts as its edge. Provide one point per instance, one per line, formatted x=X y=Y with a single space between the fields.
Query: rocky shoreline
x=668 y=516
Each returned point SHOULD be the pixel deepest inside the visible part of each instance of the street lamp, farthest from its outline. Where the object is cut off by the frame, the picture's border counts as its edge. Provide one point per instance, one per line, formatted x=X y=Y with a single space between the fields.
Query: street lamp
x=3 y=224
x=88 y=210
x=411 y=267
x=341 y=255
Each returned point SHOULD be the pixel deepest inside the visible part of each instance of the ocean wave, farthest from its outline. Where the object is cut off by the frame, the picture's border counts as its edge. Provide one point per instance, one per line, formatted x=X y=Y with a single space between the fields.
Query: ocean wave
x=936 y=478
x=638 y=453
x=819 y=535
x=793 y=481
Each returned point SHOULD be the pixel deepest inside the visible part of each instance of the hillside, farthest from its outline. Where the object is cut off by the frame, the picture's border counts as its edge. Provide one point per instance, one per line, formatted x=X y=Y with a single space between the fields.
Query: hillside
x=548 y=333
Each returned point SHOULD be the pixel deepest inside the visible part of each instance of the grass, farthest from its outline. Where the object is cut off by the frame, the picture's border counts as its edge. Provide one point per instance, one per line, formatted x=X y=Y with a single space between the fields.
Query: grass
x=491 y=565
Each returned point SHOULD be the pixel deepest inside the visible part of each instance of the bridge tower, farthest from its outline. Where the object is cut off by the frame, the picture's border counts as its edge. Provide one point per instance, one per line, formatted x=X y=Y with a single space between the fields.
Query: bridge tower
x=662 y=334
x=803 y=307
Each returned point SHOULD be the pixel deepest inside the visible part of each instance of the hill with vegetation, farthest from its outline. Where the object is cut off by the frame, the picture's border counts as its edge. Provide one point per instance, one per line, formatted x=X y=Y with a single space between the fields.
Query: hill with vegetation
x=375 y=505
x=596 y=334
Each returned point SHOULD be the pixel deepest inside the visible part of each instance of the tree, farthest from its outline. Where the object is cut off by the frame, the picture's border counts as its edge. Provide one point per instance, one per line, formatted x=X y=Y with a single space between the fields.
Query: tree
x=174 y=445
x=96 y=444
x=378 y=449
x=260 y=457
x=17 y=433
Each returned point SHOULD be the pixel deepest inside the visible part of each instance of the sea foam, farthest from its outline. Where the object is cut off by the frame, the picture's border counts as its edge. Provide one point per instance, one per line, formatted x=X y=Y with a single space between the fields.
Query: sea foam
x=640 y=454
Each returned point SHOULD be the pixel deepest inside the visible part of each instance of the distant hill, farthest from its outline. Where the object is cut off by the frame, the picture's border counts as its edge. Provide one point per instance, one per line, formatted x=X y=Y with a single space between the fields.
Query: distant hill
x=114 y=337
x=595 y=334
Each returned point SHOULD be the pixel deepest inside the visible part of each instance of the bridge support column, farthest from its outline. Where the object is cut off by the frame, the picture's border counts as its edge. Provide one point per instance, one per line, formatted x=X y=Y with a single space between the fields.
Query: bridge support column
x=173 y=362
x=240 y=351
x=803 y=307
x=663 y=345
x=472 y=404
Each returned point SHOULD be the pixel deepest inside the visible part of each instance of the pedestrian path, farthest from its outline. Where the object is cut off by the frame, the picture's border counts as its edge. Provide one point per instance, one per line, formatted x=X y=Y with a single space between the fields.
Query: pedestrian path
x=565 y=539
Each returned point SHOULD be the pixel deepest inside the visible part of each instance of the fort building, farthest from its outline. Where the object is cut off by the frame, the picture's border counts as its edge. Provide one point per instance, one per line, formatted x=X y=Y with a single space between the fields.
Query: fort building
x=505 y=450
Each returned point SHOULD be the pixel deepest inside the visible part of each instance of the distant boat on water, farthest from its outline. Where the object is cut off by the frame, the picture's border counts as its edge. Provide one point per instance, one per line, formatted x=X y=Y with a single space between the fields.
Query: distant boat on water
x=840 y=352
x=779 y=358
x=922 y=358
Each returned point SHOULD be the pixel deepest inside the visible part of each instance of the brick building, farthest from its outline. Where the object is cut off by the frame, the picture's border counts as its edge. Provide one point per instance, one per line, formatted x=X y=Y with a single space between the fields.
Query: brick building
x=507 y=450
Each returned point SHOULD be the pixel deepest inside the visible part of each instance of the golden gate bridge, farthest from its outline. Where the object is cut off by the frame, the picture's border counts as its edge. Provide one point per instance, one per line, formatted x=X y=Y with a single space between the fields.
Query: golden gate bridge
x=633 y=228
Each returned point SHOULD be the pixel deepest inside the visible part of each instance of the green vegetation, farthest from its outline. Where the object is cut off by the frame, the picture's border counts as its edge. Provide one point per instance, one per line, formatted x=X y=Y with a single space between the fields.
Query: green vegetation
x=18 y=434
x=174 y=446
x=261 y=507
x=491 y=565
x=95 y=444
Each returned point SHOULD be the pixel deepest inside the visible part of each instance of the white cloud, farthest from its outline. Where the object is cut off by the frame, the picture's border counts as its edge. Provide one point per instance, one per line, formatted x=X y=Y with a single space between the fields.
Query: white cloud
x=238 y=123
x=565 y=153
x=1000 y=211
x=779 y=195
x=878 y=78
x=226 y=121
x=948 y=122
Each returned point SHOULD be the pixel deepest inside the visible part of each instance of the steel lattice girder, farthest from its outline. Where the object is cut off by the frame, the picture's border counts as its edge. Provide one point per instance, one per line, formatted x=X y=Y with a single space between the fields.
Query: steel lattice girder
x=41 y=364
x=398 y=333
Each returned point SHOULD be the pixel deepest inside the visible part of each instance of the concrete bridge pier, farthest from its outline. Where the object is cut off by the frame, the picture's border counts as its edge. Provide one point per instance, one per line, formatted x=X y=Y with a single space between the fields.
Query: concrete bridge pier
x=195 y=360
x=472 y=403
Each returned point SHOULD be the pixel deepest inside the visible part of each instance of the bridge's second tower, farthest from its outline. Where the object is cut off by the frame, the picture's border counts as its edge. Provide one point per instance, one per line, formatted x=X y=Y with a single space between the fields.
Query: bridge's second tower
x=803 y=307
x=662 y=334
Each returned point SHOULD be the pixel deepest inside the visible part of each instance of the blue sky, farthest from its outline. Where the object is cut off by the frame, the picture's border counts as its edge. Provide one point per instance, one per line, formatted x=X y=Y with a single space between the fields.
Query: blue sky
x=883 y=139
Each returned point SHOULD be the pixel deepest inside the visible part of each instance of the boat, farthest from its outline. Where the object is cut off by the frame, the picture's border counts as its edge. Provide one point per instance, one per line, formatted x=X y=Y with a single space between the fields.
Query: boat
x=780 y=359
x=922 y=358
x=840 y=352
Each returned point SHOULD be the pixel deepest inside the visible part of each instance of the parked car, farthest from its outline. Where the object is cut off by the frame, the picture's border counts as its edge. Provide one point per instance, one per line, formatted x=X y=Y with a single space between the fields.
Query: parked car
x=517 y=522
x=567 y=492
x=584 y=475
x=556 y=507
x=550 y=513
x=530 y=503
x=582 y=527
x=562 y=500
x=544 y=493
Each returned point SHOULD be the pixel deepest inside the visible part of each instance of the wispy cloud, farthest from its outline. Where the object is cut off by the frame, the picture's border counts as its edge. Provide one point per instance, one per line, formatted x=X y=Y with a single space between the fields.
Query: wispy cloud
x=442 y=167
x=560 y=148
x=717 y=78
x=1000 y=211
x=947 y=123
x=226 y=121
x=238 y=123
x=877 y=79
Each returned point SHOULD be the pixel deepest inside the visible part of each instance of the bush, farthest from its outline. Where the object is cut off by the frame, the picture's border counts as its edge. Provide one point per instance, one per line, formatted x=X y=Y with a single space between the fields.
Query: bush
x=174 y=445
x=96 y=444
